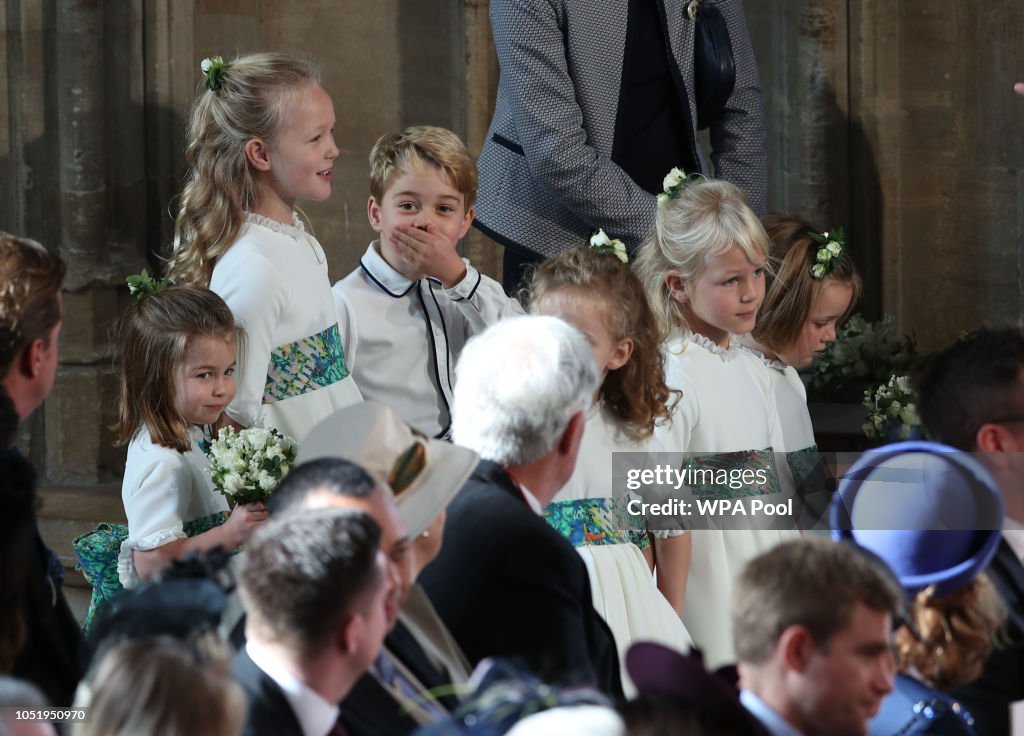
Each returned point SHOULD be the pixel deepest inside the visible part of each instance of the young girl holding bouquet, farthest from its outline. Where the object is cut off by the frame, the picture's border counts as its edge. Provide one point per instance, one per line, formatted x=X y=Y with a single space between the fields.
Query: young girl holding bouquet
x=598 y=293
x=176 y=353
x=261 y=136
x=704 y=272
x=812 y=292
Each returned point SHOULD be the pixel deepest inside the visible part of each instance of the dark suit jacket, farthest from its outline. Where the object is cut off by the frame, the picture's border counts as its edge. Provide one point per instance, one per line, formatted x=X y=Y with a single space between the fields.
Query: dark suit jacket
x=507 y=584
x=50 y=656
x=1002 y=681
x=269 y=714
x=370 y=710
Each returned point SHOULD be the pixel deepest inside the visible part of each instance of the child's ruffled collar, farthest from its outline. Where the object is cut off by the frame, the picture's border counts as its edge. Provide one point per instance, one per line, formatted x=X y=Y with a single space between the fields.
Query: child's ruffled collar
x=296 y=230
x=772 y=363
x=713 y=347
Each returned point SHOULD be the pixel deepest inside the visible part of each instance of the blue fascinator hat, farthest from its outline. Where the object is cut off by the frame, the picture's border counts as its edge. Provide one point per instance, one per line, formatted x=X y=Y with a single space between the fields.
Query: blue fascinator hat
x=933 y=513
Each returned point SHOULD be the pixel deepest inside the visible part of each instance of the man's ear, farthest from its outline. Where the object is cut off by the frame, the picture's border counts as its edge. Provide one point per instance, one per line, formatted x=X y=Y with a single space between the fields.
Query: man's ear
x=30 y=363
x=258 y=154
x=570 y=440
x=350 y=633
x=996 y=439
x=796 y=647
x=676 y=286
x=373 y=214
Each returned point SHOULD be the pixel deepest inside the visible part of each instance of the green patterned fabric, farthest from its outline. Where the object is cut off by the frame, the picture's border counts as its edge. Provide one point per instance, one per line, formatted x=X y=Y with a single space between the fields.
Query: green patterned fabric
x=595 y=521
x=732 y=462
x=97 y=554
x=802 y=462
x=305 y=365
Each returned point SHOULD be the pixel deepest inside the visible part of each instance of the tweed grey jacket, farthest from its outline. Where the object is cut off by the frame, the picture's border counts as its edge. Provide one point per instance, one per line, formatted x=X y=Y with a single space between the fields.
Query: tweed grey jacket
x=547 y=180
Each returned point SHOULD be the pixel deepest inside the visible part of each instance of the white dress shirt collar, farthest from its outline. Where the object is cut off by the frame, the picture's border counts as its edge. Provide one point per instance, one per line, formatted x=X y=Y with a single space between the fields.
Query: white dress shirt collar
x=775 y=724
x=315 y=715
x=1013 y=533
x=531 y=500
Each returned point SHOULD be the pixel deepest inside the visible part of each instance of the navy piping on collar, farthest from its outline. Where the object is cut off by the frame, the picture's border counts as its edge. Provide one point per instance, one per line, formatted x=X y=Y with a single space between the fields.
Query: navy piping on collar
x=433 y=352
x=383 y=288
x=472 y=291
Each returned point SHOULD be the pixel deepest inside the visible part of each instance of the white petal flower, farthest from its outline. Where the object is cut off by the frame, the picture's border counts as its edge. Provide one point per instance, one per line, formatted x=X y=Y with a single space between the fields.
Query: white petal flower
x=619 y=249
x=233 y=483
x=266 y=481
x=673 y=179
x=205 y=65
x=834 y=248
x=600 y=238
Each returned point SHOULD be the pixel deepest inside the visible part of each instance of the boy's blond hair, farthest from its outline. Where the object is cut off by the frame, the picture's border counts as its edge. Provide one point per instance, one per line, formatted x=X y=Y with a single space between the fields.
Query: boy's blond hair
x=396 y=153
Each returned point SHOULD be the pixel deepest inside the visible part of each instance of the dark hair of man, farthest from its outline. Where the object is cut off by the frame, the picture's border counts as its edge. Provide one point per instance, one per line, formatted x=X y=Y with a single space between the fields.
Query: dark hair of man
x=328 y=475
x=975 y=380
x=304 y=573
x=814 y=583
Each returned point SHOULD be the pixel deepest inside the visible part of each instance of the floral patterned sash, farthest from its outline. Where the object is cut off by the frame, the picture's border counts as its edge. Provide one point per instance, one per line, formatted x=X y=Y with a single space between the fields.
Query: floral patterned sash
x=753 y=460
x=595 y=521
x=305 y=365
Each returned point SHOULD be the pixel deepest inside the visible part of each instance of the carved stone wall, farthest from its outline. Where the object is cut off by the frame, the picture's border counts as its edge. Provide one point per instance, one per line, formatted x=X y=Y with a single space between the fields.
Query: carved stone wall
x=898 y=119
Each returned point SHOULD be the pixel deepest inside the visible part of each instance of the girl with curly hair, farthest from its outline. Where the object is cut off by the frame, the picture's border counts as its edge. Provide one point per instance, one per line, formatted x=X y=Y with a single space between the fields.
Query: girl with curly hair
x=599 y=294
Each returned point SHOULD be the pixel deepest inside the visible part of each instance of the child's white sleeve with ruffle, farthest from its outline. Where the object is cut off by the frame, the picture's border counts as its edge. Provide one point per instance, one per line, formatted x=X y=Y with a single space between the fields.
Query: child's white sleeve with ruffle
x=155 y=491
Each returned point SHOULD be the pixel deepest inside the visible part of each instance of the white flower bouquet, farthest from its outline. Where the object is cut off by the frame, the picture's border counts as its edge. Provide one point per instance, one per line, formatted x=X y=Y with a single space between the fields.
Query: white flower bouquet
x=892 y=412
x=247 y=466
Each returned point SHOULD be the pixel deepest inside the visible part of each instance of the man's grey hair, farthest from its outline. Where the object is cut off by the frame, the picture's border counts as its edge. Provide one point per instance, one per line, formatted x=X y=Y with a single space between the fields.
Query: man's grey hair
x=518 y=385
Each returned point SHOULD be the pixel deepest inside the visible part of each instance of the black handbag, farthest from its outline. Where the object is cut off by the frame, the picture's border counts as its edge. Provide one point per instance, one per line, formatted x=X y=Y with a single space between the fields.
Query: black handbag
x=714 y=70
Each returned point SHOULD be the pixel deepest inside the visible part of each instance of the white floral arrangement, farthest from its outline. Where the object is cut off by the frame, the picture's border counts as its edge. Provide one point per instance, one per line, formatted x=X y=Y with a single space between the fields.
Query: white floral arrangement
x=673 y=182
x=600 y=242
x=247 y=466
x=831 y=246
x=892 y=411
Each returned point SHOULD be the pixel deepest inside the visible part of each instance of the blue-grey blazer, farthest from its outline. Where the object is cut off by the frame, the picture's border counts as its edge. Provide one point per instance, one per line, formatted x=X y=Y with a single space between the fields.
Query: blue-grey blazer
x=547 y=180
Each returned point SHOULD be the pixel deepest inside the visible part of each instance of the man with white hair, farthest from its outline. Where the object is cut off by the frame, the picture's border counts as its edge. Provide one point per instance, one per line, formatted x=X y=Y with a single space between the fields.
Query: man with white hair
x=506 y=583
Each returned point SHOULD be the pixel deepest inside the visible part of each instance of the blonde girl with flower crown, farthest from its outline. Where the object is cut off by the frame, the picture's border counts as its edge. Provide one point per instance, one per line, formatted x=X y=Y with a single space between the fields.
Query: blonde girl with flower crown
x=596 y=291
x=703 y=269
x=812 y=291
x=261 y=136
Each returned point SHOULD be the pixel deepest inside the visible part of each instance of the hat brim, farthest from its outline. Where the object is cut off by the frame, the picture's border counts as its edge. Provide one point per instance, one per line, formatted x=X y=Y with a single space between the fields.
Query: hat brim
x=448 y=468
x=372 y=435
x=946 y=580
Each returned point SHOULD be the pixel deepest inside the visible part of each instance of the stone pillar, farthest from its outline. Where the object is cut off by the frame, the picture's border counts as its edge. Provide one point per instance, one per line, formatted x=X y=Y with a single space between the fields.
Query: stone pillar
x=932 y=83
x=97 y=70
x=481 y=85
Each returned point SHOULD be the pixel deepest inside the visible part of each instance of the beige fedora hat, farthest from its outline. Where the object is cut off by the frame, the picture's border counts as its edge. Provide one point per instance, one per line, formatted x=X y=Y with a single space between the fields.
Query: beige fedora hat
x=423 y=473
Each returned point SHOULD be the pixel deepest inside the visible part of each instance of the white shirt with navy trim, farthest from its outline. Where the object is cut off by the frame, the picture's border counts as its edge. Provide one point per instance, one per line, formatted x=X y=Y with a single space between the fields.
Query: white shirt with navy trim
x=403 y=337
